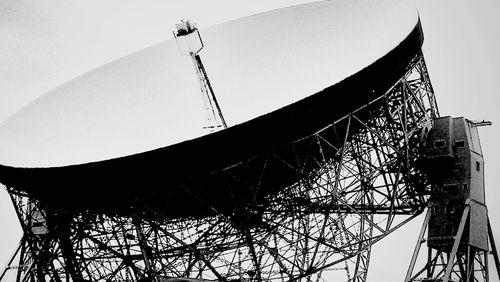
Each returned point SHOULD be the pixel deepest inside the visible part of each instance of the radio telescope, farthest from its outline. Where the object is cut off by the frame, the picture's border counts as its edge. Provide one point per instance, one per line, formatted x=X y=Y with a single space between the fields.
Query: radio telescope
x=120 y=182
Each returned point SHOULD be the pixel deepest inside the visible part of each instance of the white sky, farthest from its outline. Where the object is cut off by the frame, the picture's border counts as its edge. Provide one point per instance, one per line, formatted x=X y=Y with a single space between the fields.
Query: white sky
x=46 y=43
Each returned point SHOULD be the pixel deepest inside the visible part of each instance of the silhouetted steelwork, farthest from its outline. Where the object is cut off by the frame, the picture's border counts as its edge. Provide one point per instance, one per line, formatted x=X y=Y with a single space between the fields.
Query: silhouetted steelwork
x=365 y=183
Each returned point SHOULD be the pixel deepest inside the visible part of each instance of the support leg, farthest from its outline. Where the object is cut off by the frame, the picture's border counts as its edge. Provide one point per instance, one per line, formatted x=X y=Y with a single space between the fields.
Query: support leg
x=494 y=249
x=456 y=244
x=418 y=245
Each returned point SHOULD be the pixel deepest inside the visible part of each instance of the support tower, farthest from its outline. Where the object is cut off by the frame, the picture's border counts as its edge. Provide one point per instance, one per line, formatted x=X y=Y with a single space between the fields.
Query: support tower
x=459 y=231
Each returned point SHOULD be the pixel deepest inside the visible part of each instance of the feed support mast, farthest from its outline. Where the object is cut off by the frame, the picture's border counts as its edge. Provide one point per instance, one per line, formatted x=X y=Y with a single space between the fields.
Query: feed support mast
x=459 y=231
x=189 y=42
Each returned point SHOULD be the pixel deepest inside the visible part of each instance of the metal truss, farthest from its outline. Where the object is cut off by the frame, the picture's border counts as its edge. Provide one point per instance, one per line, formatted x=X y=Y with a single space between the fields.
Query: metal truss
x=38 y=256
x=463 y=262
x=357 y=180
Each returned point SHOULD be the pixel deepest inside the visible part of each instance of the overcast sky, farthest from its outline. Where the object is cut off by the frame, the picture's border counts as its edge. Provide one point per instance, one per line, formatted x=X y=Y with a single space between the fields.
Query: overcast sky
x=46 y=43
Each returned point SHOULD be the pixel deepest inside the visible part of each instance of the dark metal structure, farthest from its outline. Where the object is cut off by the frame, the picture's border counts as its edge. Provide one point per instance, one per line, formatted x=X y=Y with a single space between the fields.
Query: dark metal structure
x=286 y=196
x=459 y=231
x=365 y=184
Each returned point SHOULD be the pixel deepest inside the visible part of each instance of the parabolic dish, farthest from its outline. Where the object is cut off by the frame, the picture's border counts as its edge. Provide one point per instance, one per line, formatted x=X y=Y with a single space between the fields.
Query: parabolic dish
x=136 y=123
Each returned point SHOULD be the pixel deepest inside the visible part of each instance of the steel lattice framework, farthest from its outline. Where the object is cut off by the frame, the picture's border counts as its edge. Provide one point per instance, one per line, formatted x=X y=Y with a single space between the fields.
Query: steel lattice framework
x=468 y=264
x=366 y=185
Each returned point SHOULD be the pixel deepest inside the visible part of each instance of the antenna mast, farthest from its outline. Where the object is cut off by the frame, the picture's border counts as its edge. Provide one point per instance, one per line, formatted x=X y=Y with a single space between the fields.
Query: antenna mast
x=190 y=43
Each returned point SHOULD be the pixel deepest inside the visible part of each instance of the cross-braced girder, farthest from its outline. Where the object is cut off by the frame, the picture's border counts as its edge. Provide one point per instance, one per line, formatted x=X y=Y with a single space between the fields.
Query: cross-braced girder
x=464 y=262
x=355 y=181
